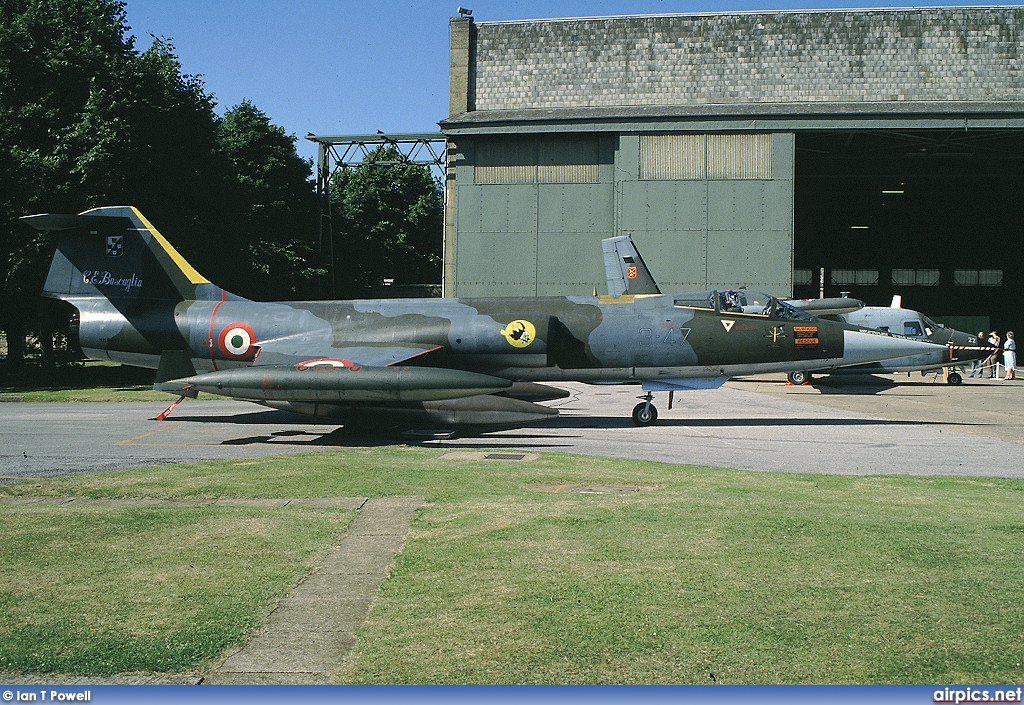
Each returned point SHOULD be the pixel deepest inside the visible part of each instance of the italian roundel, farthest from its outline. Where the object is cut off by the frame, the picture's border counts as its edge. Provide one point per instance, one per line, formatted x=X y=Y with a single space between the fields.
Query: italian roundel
x=237 y=341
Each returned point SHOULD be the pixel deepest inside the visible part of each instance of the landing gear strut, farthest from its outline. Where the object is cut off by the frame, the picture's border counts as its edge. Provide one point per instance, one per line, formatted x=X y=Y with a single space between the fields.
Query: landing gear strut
x=645 y=413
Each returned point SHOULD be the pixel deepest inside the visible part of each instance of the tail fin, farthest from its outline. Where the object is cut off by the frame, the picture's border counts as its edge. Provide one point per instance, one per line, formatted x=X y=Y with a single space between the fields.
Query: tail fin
x=115 y=253
x=624 y=268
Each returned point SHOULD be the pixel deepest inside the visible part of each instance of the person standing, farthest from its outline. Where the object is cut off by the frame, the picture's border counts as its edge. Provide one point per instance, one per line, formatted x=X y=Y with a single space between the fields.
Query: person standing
x=977 y=365
x=994 y=341
x=1010 y=355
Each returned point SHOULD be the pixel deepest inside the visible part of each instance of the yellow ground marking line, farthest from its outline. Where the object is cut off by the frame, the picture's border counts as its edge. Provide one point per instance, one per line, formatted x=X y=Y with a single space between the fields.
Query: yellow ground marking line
x=133 y=440
x=168 y=427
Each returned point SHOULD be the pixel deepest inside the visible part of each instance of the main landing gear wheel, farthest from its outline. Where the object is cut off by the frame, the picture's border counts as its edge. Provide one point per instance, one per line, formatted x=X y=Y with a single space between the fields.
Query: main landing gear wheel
x=799 y=377
x=645 y=413
x=954 y=378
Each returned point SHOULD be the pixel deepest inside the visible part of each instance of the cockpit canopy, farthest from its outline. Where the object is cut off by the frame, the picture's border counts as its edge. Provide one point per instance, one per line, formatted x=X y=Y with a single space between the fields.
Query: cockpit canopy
x=740 y=301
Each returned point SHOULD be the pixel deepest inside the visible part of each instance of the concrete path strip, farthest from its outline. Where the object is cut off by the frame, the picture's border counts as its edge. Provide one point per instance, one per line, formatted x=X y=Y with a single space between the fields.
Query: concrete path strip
x=308 y=635
x=310 y=632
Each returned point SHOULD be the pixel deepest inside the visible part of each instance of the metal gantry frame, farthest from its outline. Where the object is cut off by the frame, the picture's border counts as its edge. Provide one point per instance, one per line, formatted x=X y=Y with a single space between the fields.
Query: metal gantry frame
x=349 y=151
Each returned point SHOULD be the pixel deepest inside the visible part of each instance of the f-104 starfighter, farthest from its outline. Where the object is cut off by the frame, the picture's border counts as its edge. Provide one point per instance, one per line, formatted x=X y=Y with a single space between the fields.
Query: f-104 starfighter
x=408 y=362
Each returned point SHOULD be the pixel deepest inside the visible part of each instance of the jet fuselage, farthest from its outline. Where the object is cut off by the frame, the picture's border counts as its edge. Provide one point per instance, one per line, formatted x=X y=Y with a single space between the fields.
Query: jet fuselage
x=458 y=360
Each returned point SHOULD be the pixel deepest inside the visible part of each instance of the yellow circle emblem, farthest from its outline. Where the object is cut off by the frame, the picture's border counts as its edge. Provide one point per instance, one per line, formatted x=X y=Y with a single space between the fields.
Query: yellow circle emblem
x=519 y=333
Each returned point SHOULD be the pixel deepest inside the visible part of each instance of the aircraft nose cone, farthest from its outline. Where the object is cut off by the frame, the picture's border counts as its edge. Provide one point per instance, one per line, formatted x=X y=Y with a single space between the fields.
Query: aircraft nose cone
x=961 y=350
x=971 y=354
x=860 y=347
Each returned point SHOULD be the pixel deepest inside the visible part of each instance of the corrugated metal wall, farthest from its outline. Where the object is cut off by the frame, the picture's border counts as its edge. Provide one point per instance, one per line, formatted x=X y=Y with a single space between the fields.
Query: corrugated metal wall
x=714 y=156
x=547 y=160
x=739 y=156
x=666 y=157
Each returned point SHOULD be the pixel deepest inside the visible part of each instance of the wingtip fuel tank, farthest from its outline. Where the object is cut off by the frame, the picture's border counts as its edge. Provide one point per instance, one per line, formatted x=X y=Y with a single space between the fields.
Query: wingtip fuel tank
x=340 y=384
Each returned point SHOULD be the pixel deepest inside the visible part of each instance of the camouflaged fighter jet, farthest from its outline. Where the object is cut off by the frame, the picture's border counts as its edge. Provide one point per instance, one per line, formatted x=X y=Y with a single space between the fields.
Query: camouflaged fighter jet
x=416 y=361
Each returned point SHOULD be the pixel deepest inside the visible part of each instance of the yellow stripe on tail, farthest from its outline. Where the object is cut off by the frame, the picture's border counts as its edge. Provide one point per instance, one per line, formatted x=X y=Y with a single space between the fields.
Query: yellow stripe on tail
x=187 y=269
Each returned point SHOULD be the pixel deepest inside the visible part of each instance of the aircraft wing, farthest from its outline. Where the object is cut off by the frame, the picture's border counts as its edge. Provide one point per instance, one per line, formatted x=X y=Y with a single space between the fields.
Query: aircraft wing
x=683 y=384
x=362 y=356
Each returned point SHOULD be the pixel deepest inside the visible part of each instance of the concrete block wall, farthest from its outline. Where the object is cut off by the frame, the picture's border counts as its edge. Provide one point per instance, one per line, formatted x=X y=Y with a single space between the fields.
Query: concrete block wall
x=843 y=56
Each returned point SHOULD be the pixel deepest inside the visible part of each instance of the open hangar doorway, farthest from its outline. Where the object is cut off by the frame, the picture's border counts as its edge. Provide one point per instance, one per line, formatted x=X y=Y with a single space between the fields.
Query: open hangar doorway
x=934 y=215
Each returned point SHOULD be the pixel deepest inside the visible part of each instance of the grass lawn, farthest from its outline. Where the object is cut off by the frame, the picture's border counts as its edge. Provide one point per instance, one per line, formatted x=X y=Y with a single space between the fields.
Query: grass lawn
x=103 y=591
x=515 y=573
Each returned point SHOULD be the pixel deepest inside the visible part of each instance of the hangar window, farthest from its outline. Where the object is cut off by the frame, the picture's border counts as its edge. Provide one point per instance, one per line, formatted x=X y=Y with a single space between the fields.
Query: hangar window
x=977 y=277
x=506 y=161
x=739 y=156
x=990 y=277
x=858 y=277
x=567 y=160
x=915 y=277
x=803 y=277
x=714 y=156
x=546 y=160
x=673 y=157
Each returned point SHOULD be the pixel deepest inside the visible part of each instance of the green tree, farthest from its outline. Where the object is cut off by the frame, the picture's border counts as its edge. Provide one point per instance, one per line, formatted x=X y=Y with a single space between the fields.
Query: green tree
x=388 y=221
x=272 y=204
x=87 y=120
x=55 y=55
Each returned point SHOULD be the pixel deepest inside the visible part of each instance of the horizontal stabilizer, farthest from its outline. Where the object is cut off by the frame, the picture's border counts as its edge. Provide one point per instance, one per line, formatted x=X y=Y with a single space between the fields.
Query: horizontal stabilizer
x=56 y=222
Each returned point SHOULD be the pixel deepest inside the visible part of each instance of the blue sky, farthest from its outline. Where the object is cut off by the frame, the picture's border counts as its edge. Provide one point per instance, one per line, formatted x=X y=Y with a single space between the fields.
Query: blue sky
x=344 y=67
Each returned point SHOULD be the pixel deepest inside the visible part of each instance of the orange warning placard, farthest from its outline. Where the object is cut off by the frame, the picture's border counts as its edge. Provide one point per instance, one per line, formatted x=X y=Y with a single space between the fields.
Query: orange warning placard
x=805 y=335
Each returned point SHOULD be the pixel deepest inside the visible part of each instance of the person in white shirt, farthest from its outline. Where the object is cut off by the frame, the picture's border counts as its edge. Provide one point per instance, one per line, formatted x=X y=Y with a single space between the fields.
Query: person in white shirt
x=1009 y=355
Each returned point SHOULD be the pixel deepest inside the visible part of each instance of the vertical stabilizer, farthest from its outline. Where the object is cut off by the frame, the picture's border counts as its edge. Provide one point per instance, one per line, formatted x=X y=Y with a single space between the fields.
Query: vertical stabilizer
x=624 y=268
x=115 y=253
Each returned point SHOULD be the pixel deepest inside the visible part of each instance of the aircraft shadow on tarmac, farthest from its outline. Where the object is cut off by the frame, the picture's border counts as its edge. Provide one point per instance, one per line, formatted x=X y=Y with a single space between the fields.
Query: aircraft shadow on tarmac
x=342 y=436
x=267 y=416
x=274 y=417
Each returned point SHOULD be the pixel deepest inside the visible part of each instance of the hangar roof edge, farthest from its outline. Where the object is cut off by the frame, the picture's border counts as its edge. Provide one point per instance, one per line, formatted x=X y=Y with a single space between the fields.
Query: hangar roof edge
x=797 y=113
x=794 y=11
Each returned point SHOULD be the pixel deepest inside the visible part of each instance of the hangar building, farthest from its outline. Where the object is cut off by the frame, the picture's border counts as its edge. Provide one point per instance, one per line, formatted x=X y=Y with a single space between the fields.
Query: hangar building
x=864 y=151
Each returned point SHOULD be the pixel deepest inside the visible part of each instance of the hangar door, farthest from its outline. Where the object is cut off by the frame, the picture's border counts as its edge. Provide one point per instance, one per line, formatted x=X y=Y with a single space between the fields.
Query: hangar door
x=535 y=208
x=707 y=210
x=712 y=210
